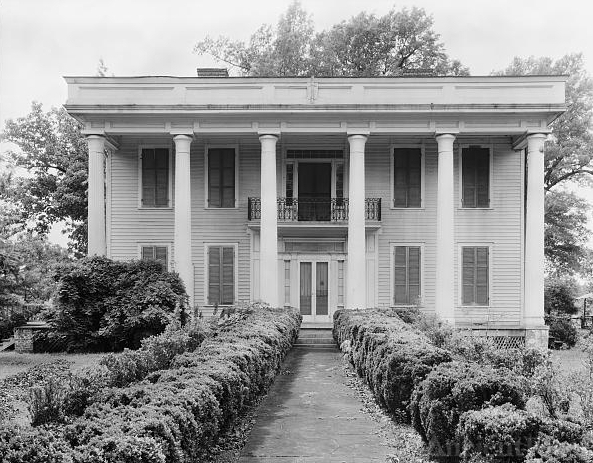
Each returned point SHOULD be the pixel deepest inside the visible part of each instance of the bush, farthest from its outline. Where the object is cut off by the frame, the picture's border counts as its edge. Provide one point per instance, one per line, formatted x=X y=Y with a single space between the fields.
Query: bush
x=500 y=433
x=104 y=305
x=558 y=297
x=452 y=389
x=35 y=445
x=119 y=370
x=46 y=403
x=177 y=414
x=391 y=355
x=562 y=329
x=550 y=450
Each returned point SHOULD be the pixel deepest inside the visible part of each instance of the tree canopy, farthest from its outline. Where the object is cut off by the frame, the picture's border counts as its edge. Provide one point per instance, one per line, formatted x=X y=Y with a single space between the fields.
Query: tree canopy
x=365 y=45
x=569 y=155
x=54 y=153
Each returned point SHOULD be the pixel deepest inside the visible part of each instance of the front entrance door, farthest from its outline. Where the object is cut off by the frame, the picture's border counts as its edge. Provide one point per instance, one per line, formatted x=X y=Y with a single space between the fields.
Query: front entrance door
x=314 y=290
x=314 y=191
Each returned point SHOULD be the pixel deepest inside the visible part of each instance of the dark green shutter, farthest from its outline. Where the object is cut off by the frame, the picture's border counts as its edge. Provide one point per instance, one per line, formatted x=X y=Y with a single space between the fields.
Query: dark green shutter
x=221 y=177
x=475 y=174
x=214 y=275
x=475 y=268
x=221 y=275
x=407 y=175
x=228 y=276
x=155 y=177
x=406 y=274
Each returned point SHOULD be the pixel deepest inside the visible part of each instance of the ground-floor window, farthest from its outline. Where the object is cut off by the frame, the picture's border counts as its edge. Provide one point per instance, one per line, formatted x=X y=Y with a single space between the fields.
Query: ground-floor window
x=406 y=275
x=475 y=269
x=155 y=252
x=221 y=275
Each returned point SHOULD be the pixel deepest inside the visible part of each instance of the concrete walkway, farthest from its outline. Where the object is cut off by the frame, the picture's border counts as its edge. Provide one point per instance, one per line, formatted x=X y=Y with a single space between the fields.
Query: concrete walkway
x=311 y=415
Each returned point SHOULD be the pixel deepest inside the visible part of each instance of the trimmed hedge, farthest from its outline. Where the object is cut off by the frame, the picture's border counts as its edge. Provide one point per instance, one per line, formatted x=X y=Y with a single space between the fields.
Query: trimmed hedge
x=176 y=414
x=388 y=353
x=452 y=389
x=550 y=450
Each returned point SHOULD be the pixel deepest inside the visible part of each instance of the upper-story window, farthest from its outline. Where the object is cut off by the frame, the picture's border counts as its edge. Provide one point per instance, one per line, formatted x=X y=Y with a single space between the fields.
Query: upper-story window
x=155 y=168
x=221 y=177
x=407 y=177
x=475 y=173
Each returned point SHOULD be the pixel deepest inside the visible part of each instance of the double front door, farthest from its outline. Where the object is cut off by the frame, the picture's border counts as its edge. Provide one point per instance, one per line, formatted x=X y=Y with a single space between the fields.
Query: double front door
x=314 y=290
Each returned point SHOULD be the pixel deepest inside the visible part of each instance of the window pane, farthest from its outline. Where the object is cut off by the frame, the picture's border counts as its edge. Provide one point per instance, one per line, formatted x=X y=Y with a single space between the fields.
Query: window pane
x=161 y=254
x=147 y=252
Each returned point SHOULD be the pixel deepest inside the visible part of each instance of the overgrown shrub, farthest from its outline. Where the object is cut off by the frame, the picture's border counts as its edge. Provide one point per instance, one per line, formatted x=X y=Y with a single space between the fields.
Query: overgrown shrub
x=562 y=329
x=105 y=305
x=454 y=388
x=46 y=403
x=177 y=414
x=549 y=387
x=121 y=369
x=500 y=433
x=550 y=450
x=389 y=354
x=34 y=445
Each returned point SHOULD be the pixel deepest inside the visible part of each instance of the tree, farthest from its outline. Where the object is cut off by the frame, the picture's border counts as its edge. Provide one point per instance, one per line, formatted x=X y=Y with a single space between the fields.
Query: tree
x=53 y=151
x=566 y=232
x=365 y=45
x=569 y=156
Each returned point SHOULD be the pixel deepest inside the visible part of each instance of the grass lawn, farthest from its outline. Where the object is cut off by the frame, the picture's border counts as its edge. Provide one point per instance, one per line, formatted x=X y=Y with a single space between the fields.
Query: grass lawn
x=12 y=362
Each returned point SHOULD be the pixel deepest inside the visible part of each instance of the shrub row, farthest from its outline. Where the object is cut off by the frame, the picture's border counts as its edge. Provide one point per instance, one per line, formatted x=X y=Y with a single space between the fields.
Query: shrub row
x=389 y=354
x=470 y=410
x=176 y=414
x=58 y=397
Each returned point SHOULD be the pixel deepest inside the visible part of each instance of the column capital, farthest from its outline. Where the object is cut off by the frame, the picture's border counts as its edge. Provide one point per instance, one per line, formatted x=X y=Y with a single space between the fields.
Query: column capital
x=521 y=142
x=358 y=134
x=445 y=135
x=268 y=135
x=183 y=136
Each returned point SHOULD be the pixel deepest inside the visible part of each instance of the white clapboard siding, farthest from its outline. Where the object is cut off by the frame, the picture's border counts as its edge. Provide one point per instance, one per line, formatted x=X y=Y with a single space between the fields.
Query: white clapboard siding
x=130 y=224
x=498 y=227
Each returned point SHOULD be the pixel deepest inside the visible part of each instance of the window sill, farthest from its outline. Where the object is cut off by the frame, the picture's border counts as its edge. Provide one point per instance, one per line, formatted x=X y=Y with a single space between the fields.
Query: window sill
x=147 y=208
x=474 y=307
x=407 y=208
x=475 y=208
x=208 y=208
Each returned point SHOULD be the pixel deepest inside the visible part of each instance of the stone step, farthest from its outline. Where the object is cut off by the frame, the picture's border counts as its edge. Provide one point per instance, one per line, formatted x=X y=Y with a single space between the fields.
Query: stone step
x=314 y=346
x=315 y=341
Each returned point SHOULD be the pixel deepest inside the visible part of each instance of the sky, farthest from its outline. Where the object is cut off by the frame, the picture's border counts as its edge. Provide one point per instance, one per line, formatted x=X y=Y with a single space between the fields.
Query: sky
x=43 y=40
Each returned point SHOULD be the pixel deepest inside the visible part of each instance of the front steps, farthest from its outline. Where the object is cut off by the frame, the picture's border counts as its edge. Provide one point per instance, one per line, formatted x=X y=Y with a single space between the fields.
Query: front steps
x=315 y=338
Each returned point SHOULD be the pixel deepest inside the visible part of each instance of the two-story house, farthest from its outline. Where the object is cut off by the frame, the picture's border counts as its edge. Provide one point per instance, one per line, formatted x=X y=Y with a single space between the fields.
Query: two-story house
x=327 y=193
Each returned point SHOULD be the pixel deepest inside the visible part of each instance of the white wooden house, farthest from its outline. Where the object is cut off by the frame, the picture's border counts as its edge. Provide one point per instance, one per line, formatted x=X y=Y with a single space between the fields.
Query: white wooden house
x=323 y=193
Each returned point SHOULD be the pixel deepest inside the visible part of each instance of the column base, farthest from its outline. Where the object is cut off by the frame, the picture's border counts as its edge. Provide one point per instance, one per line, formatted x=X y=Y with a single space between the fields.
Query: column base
x=537 y=337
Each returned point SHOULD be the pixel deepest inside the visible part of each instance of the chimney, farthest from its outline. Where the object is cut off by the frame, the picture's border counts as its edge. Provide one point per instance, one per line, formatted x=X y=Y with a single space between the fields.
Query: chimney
x=213 y=72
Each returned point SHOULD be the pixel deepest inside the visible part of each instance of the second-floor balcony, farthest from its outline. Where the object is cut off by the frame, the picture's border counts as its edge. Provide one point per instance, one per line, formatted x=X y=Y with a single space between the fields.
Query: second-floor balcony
x=315 y=209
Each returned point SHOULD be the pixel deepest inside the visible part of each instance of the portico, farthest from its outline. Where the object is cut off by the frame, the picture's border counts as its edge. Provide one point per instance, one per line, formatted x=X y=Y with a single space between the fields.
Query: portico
x=294 y=197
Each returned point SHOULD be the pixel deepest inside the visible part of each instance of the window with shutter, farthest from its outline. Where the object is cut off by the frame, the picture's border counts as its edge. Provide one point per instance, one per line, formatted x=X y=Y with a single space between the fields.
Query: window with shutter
x=407 y=173
x=475 y=268
x=406 y=268
x=475 y=162
x=155 y=177
x=221 y=177
x=221 y=275
x=159 y=253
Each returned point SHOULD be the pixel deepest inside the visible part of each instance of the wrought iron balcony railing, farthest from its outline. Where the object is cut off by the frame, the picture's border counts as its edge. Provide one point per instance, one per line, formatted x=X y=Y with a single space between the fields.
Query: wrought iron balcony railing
x=314 y=209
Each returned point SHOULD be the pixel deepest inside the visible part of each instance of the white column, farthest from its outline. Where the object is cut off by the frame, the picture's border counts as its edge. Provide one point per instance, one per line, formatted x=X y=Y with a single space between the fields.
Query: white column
x=445 y=267
x=268 y=262
x=96 y=233
x=182 y=234
x=356 y=272
x=534 y=232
